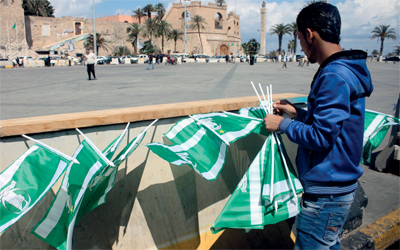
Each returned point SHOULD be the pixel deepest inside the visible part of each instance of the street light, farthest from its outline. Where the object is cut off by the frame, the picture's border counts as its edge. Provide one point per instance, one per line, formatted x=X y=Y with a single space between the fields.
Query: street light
x=94 y=31
x=185 y=16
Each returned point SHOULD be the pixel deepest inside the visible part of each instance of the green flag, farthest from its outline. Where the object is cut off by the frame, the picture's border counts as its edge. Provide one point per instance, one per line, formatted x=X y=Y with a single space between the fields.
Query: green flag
x=56 y=228
x=27 y=180
x=201 y=141
x=15 y=25
x=247 y=207
x=376 y=126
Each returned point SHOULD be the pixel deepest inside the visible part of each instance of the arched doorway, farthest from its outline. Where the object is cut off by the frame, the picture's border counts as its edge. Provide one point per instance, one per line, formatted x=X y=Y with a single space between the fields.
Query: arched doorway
x=224 y=50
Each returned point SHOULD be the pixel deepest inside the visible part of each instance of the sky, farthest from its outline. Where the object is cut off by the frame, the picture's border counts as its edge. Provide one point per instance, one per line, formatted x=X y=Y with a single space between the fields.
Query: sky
x=359 y=17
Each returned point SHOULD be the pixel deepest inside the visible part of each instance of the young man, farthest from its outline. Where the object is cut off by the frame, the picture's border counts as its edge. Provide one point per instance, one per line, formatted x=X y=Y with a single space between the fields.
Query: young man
x=284 y=60
x=330 y=132
x=90 y=63
x=150 y=61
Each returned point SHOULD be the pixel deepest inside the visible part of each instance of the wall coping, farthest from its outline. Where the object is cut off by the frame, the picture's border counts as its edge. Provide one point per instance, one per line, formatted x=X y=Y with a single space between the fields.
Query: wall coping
x=51 y=123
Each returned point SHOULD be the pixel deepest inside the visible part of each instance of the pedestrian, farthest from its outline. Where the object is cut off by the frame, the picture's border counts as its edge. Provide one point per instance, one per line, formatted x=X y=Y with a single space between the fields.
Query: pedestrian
x=284 y=59
x=90 y=59
x=158 y=58
x=150 y=61
x=330 y=132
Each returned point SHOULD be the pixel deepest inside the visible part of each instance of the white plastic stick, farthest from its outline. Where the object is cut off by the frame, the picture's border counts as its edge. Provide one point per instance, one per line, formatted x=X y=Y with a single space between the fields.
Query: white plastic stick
x=52 y=149
x=266 y=102
x=96 y=149
x=252 y=84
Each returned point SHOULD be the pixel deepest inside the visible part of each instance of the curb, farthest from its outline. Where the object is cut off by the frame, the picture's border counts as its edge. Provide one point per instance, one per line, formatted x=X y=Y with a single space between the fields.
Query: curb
x=7 y=67
x=378 y=235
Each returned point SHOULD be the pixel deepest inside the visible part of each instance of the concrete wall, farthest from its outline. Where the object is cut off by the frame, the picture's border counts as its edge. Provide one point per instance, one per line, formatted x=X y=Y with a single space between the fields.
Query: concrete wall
x=153 y=204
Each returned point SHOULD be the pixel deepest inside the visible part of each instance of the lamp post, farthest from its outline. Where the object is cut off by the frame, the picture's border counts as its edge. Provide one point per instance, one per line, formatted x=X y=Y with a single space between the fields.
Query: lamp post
x=185 y=16
x=94 y=31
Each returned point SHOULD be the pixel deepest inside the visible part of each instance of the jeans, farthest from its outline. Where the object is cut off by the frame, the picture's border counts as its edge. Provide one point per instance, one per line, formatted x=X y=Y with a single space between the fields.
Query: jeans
x=321 y=220
x=150 y=62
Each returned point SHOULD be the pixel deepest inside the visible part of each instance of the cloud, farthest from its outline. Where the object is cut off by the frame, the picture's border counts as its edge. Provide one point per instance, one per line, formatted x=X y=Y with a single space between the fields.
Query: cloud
x=123 y=12
x=75 y=8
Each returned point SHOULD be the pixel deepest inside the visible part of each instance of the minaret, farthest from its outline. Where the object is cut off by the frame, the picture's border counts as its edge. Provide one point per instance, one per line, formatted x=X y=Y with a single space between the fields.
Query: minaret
x=263 y=30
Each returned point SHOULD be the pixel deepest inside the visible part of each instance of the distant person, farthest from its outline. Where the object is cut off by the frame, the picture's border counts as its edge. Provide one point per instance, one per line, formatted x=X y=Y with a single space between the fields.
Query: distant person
x=90 y=59
x=150 y=61
x=284 y=60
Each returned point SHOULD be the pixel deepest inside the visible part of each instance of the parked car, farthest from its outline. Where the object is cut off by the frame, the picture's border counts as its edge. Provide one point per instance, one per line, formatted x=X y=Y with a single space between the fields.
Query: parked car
x=100 y=59
x=136 y=58
x=394 y=58
x=122 y=59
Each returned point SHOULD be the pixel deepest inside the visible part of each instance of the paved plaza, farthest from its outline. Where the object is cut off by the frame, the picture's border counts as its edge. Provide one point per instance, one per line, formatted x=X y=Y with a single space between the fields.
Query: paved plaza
x=28 y=92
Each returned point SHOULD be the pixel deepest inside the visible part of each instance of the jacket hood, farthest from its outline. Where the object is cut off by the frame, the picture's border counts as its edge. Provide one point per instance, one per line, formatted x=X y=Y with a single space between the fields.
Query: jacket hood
x=354 y=60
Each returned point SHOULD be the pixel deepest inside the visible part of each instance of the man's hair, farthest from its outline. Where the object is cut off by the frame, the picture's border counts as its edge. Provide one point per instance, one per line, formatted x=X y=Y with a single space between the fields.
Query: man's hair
x=323 y=18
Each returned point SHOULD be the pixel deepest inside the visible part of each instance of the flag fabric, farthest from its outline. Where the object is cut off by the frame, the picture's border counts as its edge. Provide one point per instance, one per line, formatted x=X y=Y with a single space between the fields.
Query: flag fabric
x=201 y=141
x=27 y=180
x=56 y=228
x=376 y=126
x=249 y=206
x=15 y=25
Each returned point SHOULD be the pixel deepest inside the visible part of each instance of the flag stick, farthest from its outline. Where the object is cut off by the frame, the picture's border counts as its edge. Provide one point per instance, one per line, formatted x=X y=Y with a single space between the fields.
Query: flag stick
x=52 y=149
x=112 y=149
x=96 y=149
x=267 y=103
x=137 y=139
x=212 y=130
x=252 y=84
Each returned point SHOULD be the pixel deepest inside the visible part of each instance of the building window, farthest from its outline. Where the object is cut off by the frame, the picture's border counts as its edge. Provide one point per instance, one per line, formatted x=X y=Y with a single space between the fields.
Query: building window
x=188 y=17
x=46 y=30
x=125 y=21
x=78 y=28
x=218 y=20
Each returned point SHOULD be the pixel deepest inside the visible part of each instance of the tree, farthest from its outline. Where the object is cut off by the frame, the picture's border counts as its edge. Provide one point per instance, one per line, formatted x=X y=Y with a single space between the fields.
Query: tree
x=163 y=30
x=148 y=47
x=252 y=47
x=121 y=50
x=100 y=42
x=290 y=46
x=293 y=29
x=160 y=9
x=150 y=28
x=375 y=52
x=148 y=9
x=281 y=30
x=197 y=23
x=138 y=13
x=133 y=36
x=397 y=50
x=38 y=8
x=220 y=2
x=382 y=32
x=175 y=35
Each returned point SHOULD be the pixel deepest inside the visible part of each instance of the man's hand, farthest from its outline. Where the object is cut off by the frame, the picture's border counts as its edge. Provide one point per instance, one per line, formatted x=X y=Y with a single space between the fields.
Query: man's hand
x=283 y=106
x=272 y=122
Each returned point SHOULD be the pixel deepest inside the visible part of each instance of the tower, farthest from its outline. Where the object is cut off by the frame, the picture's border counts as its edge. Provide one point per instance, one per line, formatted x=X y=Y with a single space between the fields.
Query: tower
x=263 y=30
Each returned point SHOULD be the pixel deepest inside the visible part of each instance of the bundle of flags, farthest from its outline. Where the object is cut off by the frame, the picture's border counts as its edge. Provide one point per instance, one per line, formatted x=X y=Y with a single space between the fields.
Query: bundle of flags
x=89 y=176
x=376 y=126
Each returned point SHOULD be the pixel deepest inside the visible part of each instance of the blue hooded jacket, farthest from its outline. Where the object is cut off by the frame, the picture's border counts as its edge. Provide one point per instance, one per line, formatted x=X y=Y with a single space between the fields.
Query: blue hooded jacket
x=330 y=132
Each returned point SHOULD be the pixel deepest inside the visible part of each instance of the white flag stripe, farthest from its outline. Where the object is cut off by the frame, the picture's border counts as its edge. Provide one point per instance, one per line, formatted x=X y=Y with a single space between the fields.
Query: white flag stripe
x=92 y=171
x=110 y=182
x=216 y=168
x=113 y=148
x=229 y=136
x=7 y=175
x=244 y=116
x=371 y=128
x=193 y=141
x=59 y=171
x=58 y=206
x=211 y=129
x=292 y=207
x=281 y=187
x=255 y=188
x=178 y=128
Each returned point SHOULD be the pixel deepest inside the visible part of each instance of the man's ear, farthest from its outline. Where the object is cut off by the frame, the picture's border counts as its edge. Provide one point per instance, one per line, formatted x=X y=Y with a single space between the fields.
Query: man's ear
x=309 y=35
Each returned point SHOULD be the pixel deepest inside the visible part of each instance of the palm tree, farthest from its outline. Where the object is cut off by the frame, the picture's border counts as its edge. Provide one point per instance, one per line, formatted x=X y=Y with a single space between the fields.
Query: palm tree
x=133 y=36
x=290 y=45
x=163 y=30
x=197 y=23
x=220 y=2
x=293 y=29
x=100 y=42
x=381 y=33
x=397 y=50
x=281 y=30
x=150 y=28
x=38 y=8
x=175 y=35
x=121 y=50
x=160 y=9
x=148 y=8
x=138 y=13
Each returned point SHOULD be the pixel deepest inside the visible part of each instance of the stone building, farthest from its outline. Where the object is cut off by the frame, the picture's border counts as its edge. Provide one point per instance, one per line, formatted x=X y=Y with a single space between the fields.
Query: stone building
x=43 y=35
x=222 y=30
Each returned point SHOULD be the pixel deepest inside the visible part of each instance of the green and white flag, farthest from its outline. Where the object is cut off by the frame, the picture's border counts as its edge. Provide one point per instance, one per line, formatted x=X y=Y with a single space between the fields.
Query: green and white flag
x=27 y=180
x=201 y=141
x=57 y=226
x=103 y=182
x=249 y=207
x=376 y=126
